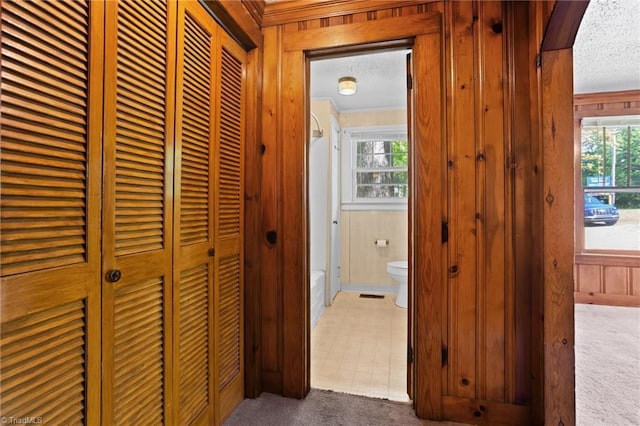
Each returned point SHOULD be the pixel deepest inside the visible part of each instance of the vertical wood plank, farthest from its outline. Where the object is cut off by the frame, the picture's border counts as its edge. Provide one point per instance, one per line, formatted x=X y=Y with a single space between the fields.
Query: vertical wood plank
x=252 y=229
x=271 y=290
x=295 y=277
x=427 y=190
x=462 y=220
x=494 y=299
x=519 y=61
x=558 y=216
x=539 y=13
x=94 y=204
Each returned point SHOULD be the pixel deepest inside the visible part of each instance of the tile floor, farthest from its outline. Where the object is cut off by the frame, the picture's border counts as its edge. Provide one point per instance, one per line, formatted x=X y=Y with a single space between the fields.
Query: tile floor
x=359 y=346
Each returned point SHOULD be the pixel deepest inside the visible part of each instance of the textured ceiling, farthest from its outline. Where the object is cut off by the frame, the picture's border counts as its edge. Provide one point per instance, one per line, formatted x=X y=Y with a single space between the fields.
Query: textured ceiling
x=606 y=58
x=606 y=53
x=380 y=77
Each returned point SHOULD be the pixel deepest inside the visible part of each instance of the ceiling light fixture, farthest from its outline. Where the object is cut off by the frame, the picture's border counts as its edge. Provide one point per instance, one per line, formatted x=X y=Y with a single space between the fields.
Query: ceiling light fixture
x=347 y=86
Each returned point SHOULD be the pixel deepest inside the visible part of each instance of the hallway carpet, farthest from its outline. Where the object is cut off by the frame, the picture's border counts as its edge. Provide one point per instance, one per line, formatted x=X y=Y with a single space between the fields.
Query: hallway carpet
x=324 y=408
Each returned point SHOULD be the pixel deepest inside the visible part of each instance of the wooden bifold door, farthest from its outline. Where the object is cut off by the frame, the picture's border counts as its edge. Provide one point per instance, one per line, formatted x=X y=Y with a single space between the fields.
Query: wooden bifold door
x=121 y=213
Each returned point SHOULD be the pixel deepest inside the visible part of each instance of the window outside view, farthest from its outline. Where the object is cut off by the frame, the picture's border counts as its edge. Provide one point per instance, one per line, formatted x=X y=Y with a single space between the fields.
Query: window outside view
x=381 y=169
x=610 y=164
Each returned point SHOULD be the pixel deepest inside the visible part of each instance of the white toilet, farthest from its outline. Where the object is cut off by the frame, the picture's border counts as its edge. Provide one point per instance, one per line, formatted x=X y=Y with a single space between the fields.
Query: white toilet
x=399 y=271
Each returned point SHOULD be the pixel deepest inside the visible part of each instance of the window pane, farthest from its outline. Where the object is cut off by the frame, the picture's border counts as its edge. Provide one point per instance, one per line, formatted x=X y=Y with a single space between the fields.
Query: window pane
x=381 y=191
x=381 y=169
x=612 y=221
x=381 y=177
x=382 y=154
x=610 y=165
x=633 y=154
x=374 y=161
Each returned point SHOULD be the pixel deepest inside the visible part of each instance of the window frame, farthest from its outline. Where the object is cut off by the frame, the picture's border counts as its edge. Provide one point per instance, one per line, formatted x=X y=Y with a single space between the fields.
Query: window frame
x=596 y=106
x=350 y=138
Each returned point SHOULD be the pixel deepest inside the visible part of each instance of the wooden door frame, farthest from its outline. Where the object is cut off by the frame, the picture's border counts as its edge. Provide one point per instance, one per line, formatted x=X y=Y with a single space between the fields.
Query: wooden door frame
x=556 y=198
x=426 y=30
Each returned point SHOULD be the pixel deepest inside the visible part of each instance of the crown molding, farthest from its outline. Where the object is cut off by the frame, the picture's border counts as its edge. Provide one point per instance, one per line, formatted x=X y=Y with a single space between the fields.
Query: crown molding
x=288 y=11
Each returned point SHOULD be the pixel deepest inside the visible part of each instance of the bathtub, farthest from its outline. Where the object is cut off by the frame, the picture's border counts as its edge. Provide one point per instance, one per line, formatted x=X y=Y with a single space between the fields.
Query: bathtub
x=317 y=295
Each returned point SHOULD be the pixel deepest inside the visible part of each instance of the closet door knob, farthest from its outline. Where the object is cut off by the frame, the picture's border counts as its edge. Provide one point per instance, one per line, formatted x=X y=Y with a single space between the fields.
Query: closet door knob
x=212 y=252
x=114 y=275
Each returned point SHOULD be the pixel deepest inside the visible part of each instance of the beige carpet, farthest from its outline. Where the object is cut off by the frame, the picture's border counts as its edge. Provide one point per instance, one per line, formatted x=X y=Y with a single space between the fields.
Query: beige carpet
x=607 y=365
x=607 y=384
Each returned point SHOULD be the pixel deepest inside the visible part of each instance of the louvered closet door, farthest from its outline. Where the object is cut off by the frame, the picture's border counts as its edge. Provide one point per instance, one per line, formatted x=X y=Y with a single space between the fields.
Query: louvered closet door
x=194 y=198
x=137 y=212
x=50 y=165
x=229 y=148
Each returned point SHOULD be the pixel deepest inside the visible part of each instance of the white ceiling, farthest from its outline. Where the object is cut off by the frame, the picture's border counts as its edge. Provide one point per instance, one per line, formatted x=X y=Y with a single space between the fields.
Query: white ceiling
x=606 y=58
x=381 y=80
x=606 y=53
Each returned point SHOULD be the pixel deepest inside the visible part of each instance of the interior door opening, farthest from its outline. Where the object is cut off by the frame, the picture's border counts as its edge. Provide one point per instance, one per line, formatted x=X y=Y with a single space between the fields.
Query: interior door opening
x=358 y=182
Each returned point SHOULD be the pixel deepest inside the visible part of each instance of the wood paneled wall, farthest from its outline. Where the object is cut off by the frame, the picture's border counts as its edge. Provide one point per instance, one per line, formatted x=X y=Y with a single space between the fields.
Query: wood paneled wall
x=477 y=162
x=607 y=280
x=611 y=278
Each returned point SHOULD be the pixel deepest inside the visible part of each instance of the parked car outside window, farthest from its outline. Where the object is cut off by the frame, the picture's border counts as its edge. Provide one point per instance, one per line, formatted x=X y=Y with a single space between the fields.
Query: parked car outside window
x=596 y=211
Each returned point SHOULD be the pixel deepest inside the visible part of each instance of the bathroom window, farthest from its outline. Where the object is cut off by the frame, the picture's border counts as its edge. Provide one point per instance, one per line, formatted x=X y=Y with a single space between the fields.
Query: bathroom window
x=375 y=163
x=380 y=170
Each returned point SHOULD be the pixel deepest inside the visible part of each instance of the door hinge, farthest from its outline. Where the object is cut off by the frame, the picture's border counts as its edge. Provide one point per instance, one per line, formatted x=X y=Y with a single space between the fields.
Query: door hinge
x=445 y=232
x=409 y=354
x=409 y=82
x=538 y=60
x=445 y=356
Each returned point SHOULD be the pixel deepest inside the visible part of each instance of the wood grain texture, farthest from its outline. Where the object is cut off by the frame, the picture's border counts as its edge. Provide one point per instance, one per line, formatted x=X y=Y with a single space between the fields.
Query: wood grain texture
x=229 y=148
x=539 y=13
x=196 y=133
x=194 y=366
x=483 y=412
x=488 y=332
x=607 y=280
x=195 y=189
x=361 y=33
x=427 y=169
x=44 y=188
x=240 y=19
x=557 y=134
x=462 y=185
x=137 y=226
x=563 y=26
x=494 y=190
x=50 y=144
x=294 y=231
x=229 y=317
x=43 y=365
x=138 y=353
x=278 y=13
x=619 y=97
x=253 y=234
x=520 y=164
x=270 y=214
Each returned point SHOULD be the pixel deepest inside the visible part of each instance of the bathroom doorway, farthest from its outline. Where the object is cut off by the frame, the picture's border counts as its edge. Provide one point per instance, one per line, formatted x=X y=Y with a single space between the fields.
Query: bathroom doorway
x=358 y=159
